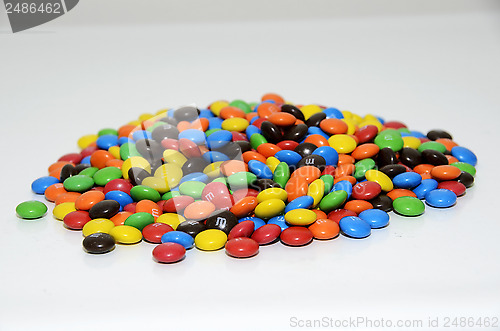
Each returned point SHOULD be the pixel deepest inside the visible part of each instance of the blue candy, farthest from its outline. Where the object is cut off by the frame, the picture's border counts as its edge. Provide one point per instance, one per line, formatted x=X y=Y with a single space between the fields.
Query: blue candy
x=178 y=237
x=214 y=156
x=407 y=180
x=289 y=157
x=441 y=198
x=85 y=160
x=39 y=185
x=375 y=217
x=215 y=123
x=106 y=141
x=124 y=140
x=355 y=227
x=343 y=185
x=278 y=220
x=205 y=113
x=464 y=155
x=303 y=202
x=250 y=130
x=141 y=134
x=219 y=139
x=257 y=222
x=316 y=130
x=333 y=113
x=121 y=197
x=328 y=153
x=425 y=187
x=195 y=176
x=260 y=169
x=196 y=136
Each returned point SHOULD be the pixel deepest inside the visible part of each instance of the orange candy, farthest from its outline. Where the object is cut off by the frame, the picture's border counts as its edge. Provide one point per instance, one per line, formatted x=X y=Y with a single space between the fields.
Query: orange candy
x=423 y=169
x=199 y=210
x=53 y=191
x=230 y=112
x=114 y=163
x=319 y=213
x=266 y=109
x=273 y=96
x=230 y=167
x=400 y=192
x=296 y=187
x=99 y=158
x=88 y=199
x=350 y=179
x=199 y=124
x=268 y=149
x=445 y=172
x=309 y=173
x=125 y=130
x=67 y=197
x=183 y=125
x=119 y=219
x=345 y=159
x=451 y=159
x=344 y=170
x=333 y=126
x=448 y=143
x=58 y=165
x=244 y=207
x=365 y=151
x=282 y=119
x=148 y=206
x=317 y=140
x=324 y=228
x=358 y=206
x=251 y=155
x=250 y=116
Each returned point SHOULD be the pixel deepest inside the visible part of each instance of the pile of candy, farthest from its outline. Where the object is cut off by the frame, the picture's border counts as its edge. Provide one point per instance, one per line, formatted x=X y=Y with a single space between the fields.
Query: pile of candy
x=239 y=175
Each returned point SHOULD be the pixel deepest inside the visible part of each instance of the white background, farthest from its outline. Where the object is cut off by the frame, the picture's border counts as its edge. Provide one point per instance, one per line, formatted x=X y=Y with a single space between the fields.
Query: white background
x=429 y=64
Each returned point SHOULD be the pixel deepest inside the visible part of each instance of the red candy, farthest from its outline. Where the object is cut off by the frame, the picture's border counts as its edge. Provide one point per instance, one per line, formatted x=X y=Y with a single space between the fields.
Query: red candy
x=153 y=232
x=177 y=204
x=169 y=252
x=455 y=187
x=337 y=214
x=266 y=234
x=242 y=247
x=218 y=194
x=366 y=190
x=366 y=133
x=76 y=219
x=122 y=185
x=296 y=236
x=243 y=229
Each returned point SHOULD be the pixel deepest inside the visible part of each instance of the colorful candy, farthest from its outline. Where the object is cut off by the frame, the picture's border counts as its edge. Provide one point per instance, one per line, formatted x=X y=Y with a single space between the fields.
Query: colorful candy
x=240 y=175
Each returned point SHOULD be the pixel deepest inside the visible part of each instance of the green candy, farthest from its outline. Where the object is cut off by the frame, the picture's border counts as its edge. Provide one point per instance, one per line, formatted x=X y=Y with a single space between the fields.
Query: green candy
x=333 y=200
x=139 y=220
x=389 y=138
x=222 y=180
x=141 y=192
x=328 y=180
x=107 y=131
x=432 y=145
x=78 y=183
x=256 y=140
x=406 y=130
x=241 y=105
x=89 y=171
x=281 y=174
x=241 y=179
x=192 y=188
x=105 y=175
x=465 y=167
x=408 y=206
x=127 y=150
x=362 y=166
x=209 y=132
x=170 y=195
x=31 y=209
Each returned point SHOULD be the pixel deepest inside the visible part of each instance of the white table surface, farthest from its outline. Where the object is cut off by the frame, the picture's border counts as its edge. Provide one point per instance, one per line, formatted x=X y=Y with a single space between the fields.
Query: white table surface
x=428 y=70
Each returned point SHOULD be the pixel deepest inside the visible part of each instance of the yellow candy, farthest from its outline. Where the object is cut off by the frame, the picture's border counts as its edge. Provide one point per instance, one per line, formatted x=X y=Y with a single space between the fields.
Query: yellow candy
x=173 y=156
x=235 y=124
x=371 y=117
x=372 y=122
x=115 y=151
x=351 y=125
x=171 y=219
x=272 y=193
x=316 y=190
x=136 y=162
x=156 y=183
x=145 y=117
x=63 y=209
x=126 y=234
x=347 y=114
x=210 y=240
x=269 y=208
x=412 y=142
x=300 y=217
x=217 y=106
x=213 y=169
x=161 y=113
x=86 y=140
x=379 y=177
x=272 y=163
x=356 y=118
x=97 y=225
x=169 y=172
x=136 y=123
x=342 y=143
x=310 y=110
